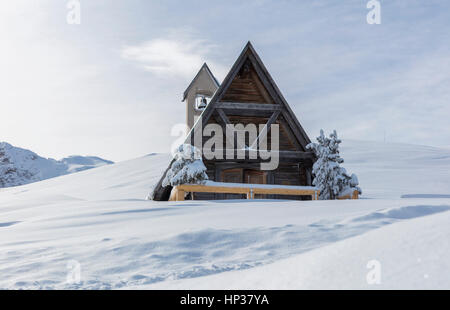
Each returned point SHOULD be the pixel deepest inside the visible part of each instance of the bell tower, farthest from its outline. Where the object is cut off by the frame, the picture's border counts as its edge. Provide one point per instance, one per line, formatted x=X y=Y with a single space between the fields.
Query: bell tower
x=198 y=94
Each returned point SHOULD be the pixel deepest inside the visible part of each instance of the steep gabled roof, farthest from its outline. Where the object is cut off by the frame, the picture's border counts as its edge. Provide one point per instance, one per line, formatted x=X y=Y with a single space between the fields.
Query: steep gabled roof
x=208 y=71
x=249 y=53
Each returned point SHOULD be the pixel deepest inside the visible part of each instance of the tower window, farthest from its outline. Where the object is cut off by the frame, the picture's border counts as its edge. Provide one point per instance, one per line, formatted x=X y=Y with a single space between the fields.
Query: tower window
x=201 y=102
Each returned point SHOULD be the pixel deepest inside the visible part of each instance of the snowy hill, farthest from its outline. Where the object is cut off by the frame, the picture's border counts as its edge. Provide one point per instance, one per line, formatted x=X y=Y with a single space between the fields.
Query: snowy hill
x=99 y=219
x=76 y=163
x=19 y=166
x=390 y=170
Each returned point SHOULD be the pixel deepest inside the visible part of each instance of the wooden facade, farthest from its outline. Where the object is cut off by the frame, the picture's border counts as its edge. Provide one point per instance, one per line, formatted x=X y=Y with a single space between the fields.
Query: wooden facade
x=248 y=95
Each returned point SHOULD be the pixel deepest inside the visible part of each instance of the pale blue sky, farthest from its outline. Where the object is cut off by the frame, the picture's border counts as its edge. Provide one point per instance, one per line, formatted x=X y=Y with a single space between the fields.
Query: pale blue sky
x=112 y=86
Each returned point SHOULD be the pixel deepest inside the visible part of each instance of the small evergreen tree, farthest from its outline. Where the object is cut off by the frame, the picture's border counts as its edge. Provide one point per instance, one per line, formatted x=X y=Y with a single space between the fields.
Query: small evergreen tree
x=329 y=177
x=187 y=168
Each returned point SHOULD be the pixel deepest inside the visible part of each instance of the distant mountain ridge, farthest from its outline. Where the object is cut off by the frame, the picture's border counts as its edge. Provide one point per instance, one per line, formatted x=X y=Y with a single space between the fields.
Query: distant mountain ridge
x=20 y=166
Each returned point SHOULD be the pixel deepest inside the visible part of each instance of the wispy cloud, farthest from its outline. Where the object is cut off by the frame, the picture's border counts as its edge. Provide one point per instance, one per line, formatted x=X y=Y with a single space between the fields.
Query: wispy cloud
x=171 y=57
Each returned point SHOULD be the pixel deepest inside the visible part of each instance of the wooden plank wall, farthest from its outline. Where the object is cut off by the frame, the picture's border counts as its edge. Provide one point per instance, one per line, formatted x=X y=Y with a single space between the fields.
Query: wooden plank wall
x=285 y=174
x=287 y=140
x=247 y=87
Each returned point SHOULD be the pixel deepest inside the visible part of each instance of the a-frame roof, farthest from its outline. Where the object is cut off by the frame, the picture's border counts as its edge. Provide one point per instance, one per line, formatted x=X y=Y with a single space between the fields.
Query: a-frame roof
x=249 y=53
x=208 y=71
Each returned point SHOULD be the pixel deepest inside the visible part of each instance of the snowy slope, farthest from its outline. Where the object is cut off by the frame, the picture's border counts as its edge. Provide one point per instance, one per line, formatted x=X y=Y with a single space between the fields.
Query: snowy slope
x=19 y=166
x=411 y=255
x=388 y=170
x=100 y=219
x=76 y=163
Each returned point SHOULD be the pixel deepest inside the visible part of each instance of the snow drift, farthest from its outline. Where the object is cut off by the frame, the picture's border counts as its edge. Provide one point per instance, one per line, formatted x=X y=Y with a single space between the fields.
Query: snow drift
x=99 y=219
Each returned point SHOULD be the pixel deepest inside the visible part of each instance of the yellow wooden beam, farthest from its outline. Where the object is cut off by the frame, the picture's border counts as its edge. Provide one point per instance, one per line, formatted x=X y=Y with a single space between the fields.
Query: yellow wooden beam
x=213 y=189
x=179 y=191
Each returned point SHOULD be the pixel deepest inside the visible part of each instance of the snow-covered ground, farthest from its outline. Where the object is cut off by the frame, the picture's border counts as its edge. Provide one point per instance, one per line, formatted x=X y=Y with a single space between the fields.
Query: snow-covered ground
x=99 y=219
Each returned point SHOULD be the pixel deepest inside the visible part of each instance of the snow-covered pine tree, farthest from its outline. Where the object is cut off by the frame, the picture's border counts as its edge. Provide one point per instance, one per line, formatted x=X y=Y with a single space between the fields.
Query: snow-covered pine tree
x=187 y=168
x=326 y=168
x=329 y=176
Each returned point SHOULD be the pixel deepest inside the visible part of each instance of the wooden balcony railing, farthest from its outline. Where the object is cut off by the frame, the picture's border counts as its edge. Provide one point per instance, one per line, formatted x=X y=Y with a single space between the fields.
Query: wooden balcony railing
x=250 y=190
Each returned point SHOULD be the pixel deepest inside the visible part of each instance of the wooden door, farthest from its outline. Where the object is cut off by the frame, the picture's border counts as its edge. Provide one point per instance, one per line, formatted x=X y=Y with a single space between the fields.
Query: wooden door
x=256 y=177
x=232 y=176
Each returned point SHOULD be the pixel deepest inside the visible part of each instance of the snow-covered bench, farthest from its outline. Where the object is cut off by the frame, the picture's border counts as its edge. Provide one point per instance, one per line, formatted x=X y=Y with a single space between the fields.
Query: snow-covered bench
x=250 y=190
